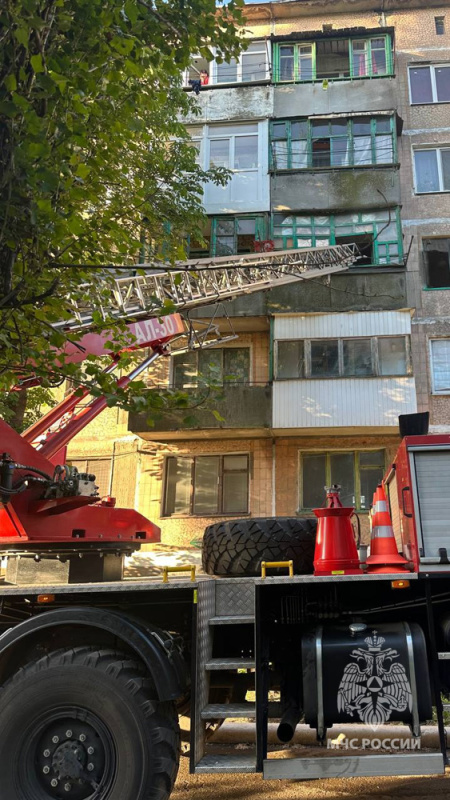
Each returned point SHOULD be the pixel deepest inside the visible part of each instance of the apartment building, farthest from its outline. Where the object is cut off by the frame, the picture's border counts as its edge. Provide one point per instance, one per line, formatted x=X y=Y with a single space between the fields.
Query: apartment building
x=335 y=123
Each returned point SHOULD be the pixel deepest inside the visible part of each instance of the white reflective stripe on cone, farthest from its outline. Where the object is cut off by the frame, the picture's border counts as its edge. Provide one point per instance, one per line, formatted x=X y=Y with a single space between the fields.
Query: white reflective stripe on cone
x=380 y=505
x=382 y=532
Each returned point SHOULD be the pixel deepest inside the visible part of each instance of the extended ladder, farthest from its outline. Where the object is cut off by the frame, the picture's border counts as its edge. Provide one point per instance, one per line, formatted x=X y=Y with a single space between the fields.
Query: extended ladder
x=197 y=282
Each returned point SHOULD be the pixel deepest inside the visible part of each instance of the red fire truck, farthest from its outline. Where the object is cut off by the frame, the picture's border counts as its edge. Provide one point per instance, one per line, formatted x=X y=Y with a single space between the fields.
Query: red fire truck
x=95 y=671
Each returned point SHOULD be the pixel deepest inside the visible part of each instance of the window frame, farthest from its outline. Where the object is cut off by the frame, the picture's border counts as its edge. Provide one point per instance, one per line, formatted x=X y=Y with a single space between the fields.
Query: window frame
x=334 y=231
x=356 y=468
x=265 y=49
x=220 y=499
x=434 y=390
x=261 y=228
x=367 y=39
x=376 y=371
x=350 y=137
x=426 y=266
x=222 y=383
x=437 y=150
x=432 y=68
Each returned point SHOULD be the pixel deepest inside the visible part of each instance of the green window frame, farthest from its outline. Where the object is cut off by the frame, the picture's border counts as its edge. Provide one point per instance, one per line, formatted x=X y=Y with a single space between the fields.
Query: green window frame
x=225 y=232
x=292 y=231
x=365 y=60
x=367 y=466
x=355 y=141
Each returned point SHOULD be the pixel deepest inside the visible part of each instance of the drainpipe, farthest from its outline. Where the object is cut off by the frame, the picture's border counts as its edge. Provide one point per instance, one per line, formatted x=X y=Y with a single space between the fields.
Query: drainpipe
x=274 y=477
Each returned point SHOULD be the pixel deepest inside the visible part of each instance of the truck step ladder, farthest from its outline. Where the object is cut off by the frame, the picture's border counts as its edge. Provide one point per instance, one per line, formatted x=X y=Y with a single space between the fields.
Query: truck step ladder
x=223 y=603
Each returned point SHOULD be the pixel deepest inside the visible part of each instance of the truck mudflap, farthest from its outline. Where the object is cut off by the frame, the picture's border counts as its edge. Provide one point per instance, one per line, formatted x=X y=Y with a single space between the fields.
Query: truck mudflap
x=158 y=650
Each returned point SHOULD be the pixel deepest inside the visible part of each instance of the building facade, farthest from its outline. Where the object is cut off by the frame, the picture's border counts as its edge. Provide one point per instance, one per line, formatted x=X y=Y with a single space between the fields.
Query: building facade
x=335 y=124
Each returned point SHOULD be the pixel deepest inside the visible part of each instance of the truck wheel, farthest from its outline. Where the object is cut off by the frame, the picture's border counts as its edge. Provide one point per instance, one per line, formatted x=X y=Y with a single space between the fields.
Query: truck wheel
x=85 y=724
x=237 y=547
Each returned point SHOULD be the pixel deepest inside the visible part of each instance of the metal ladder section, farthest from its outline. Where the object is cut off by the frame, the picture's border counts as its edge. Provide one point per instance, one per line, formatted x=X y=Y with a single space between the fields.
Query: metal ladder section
x=221 y=603
x=195 y=283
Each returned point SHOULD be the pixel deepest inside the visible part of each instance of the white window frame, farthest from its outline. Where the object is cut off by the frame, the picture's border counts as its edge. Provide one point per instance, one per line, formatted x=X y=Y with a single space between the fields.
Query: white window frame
x=432 y=68
x=265 y=50
x=434 y=390
x=438 y=150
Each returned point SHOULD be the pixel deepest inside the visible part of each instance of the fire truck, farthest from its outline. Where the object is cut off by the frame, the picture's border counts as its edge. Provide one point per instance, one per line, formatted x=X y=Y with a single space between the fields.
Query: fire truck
x=284 y=624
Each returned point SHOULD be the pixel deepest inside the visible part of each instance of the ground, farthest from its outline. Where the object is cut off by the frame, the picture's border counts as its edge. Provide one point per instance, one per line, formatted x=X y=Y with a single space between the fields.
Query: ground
x=252 y=787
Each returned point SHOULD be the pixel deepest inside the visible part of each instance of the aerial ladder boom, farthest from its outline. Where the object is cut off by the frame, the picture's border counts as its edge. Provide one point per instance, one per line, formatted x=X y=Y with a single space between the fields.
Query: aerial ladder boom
x=59 y=505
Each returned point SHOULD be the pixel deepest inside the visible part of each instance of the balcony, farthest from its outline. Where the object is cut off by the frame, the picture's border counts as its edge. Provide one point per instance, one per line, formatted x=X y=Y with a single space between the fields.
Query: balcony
x=376 y=94
x=245 y=409
x=340 y=188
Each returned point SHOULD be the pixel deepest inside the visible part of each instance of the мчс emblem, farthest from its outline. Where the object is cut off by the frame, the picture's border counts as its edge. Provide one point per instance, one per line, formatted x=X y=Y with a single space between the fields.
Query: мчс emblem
x=375 y=684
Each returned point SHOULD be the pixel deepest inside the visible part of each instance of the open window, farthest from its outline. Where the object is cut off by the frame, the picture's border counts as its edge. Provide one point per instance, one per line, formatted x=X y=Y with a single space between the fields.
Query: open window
x=332 y=58
x=197 y=72
x=437 y=261
x=364 y=242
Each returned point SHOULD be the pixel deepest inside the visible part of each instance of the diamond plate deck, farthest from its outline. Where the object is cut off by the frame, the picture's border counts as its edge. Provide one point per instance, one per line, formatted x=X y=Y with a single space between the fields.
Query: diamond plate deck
x=228 y=763
x=235 y=597
x=229 y=711
x=245 y=619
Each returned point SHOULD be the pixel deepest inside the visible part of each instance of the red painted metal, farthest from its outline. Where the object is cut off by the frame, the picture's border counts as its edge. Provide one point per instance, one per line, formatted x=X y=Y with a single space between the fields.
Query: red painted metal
x=30 y=520
x=27 y=519
x=335 y=552
x=407 y=536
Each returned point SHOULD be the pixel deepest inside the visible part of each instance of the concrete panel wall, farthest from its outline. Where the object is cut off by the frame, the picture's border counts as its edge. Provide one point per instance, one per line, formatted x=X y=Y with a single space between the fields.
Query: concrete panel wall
x=335 y=190
x=232 y=104
x=341 y=97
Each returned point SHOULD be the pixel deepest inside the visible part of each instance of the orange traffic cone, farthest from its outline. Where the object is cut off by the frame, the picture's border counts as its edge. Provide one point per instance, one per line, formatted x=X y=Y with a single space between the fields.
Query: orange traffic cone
x=384 y=556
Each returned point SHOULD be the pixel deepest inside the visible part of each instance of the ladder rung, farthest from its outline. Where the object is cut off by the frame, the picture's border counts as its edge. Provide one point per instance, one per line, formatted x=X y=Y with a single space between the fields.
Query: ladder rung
x=242 y=620
x=229 y=711
x=444 y=656
x=229 y=663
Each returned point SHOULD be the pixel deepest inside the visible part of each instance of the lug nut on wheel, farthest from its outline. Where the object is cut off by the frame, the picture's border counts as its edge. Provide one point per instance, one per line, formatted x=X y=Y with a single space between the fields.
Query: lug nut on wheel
x=90 y=750
x=46 y=770
x=67 y=787
x=90 y=767
x=46 y=753
x=54 y=782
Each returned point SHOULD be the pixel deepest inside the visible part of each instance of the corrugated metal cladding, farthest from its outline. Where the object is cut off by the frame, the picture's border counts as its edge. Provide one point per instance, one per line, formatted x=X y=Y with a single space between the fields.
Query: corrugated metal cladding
x=328 y=326
x=342 y=402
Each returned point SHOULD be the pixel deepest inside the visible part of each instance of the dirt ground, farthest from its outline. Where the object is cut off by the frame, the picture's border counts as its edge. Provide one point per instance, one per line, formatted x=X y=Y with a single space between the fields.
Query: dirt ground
x=253 y=787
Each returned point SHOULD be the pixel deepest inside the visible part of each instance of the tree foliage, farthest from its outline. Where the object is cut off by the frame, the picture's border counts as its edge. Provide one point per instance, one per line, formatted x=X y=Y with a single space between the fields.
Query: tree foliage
x=92 y=152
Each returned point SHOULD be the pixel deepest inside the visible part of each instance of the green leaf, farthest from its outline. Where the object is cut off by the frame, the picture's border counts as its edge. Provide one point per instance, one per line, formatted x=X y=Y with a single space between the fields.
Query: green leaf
x=131 y=11
x=37 y=63
x=22 y=35
x=218 y=416
x=11 y=83
x=83 y=170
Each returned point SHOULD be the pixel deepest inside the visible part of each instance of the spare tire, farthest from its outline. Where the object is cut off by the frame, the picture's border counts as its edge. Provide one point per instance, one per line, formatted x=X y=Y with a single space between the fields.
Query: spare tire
x=238 y=547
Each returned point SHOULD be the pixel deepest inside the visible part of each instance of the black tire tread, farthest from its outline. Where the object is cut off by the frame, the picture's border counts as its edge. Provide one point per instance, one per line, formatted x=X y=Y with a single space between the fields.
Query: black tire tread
x=237 y=547
x=131 y=677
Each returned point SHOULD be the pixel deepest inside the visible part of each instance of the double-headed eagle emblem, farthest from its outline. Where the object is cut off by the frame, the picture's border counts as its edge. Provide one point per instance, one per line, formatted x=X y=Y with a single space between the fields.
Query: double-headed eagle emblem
x=375 y=684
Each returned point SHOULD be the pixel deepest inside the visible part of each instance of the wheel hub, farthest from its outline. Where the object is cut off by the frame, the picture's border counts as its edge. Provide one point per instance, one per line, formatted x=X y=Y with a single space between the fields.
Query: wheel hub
x=73 y=756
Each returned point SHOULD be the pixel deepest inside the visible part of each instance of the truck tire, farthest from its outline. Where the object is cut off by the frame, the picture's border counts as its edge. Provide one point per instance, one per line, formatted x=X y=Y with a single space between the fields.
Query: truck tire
x=238 y=547
x=86 y=724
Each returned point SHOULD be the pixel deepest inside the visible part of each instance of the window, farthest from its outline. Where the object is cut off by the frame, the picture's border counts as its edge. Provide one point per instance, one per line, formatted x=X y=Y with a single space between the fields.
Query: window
x=218 y=365
x=439 y=23
x=206 y=485
x=242 y=149
x=230 y=236
x=437 y=262
x=432 y=169
x=360 y=141
x=440 y=365
x=253 y=65
x=357 y=473
x=333 y=59
x=429 y=84
x=342 y=358
x=378 y=233
x=290 y=359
